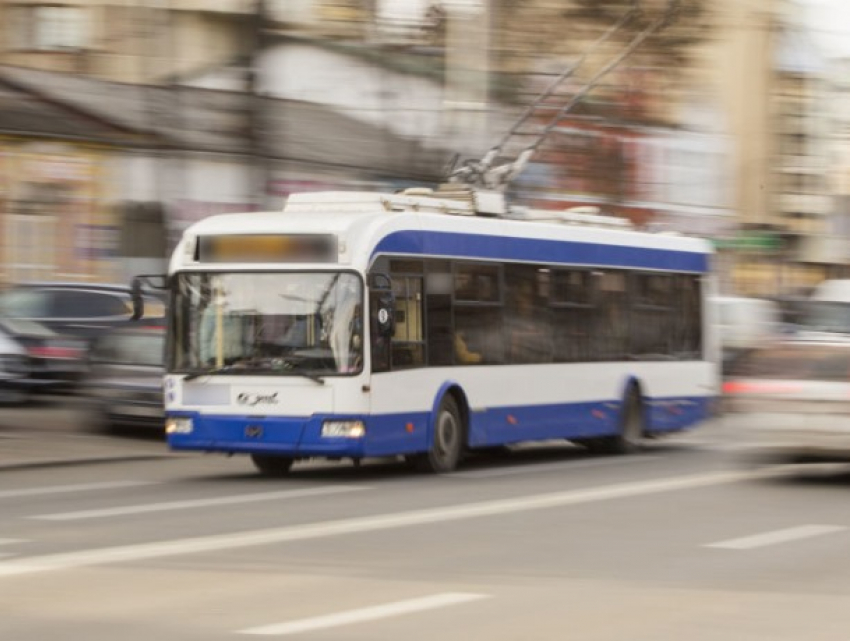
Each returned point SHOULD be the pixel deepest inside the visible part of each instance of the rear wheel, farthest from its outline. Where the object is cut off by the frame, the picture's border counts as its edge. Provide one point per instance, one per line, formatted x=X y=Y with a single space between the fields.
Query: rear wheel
x=447 y=442
x=632 y=426
x=630 y=436
x=272 y=466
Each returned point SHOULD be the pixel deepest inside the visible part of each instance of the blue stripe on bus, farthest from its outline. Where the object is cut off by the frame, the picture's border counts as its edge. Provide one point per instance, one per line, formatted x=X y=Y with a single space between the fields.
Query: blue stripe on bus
x=405 y=433
x=479 y=246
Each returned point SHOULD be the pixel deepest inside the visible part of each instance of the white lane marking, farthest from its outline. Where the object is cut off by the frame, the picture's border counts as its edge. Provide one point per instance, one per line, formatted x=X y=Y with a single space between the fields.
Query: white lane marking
x=565 y=466
x=6 y=555
x=461 y=512
x=365 y=614
x=67 y=489
x=713 y=446
x=196 y=503
x=776 y=536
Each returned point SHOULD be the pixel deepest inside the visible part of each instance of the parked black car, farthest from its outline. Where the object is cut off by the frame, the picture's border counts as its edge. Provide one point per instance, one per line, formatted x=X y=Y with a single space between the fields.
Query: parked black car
x=78 y=309
x=124 y=380
x=45 y=360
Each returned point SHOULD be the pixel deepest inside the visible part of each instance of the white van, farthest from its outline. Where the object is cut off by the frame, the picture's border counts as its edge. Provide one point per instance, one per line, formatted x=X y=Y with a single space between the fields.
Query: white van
x=745 y=323
x=828 y=308
x=833 y=290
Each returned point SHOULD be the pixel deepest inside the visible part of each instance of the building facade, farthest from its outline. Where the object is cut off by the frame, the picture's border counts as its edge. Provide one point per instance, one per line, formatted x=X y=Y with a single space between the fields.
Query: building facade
x=137 y=42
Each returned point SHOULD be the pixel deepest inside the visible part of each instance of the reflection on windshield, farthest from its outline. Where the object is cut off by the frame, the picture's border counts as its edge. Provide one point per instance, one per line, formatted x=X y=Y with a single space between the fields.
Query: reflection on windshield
x=268 y=323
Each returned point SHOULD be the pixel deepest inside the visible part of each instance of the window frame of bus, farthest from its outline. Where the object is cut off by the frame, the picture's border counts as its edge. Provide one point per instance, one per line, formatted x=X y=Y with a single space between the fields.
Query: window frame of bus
x=175 y=319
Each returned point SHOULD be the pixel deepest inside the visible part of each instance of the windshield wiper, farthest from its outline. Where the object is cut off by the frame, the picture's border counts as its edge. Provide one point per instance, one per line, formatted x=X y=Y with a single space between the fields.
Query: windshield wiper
x=208 y=372
x=229 y=369
x=313 y=377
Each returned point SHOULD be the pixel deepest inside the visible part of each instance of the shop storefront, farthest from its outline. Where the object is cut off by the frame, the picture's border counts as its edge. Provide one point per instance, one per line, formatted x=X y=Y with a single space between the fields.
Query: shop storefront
x=54 y=221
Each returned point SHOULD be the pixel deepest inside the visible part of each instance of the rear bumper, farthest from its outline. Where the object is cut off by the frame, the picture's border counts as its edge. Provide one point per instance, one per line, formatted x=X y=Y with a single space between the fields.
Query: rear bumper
x=805 y=435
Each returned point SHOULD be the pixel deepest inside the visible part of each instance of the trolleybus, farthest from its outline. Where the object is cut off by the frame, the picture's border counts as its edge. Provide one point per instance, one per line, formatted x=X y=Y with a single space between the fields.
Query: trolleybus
x=424 y=325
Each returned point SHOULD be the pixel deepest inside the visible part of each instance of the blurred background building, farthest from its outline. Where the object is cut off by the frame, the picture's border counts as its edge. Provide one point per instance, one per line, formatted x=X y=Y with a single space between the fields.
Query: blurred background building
x=123 y=122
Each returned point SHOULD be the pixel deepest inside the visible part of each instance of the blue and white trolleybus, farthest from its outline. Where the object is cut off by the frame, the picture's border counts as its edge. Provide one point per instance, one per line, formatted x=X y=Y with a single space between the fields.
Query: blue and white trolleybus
x=426 y=324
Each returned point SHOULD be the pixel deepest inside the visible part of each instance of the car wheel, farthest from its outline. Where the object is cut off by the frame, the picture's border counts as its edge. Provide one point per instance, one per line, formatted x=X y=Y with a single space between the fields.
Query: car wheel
x=12 y=397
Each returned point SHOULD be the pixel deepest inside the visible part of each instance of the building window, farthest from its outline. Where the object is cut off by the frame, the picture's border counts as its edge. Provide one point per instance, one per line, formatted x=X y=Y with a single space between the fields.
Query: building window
x=48 y=28
x=30 y=247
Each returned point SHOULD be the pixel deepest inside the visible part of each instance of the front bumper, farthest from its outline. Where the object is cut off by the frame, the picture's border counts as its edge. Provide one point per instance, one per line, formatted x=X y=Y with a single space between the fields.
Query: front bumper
x=284 y=436
x=301 y=436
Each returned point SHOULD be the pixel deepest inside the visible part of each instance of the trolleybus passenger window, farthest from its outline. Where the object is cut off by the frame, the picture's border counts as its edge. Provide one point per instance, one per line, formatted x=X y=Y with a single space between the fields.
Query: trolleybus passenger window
x=611 y=327
x=408 y=345
x=690 y=317
x=478 y=314
x=477 y=283
x=438 y=312
x=652 y=315
x=528 y=330
x=573 y=297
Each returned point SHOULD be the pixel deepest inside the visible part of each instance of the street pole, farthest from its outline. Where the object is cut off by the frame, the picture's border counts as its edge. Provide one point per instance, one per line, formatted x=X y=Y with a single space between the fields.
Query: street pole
x=259 y=157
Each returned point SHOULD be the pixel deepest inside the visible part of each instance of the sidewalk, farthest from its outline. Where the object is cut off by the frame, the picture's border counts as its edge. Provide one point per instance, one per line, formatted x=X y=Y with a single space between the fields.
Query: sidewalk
x=58 y=434
x=20 y=450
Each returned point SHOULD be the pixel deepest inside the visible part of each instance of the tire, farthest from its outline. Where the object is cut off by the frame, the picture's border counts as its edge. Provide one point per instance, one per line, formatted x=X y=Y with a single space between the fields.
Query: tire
x=632 y=427
x=11 y=397
x=272 y=466
x=447 y=441
x=630 y=438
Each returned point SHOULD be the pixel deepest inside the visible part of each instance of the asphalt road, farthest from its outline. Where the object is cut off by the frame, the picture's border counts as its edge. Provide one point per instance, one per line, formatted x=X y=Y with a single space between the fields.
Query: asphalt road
x=683 y=541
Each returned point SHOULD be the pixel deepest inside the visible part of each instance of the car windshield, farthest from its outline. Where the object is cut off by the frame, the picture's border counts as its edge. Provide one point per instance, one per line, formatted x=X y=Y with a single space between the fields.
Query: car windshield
x=306 y=323
x=131 y=348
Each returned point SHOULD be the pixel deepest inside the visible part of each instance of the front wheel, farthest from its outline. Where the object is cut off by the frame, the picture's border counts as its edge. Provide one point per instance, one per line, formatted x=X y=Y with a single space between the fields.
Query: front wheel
x=272 y=466
x=447 y=442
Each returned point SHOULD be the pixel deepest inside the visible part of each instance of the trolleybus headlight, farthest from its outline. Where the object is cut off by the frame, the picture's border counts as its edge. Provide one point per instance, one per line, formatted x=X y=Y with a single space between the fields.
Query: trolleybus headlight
x=178 y=425
x=343 y=429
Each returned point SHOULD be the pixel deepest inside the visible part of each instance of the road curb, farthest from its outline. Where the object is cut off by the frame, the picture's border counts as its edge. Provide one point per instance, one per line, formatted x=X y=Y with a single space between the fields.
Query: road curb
x=73 y=462
x=41 y=447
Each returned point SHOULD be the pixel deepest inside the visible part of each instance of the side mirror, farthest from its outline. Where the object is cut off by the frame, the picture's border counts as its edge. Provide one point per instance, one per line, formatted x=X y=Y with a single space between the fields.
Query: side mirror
x=156 y=281
x=385 y=316
x=137 y=298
